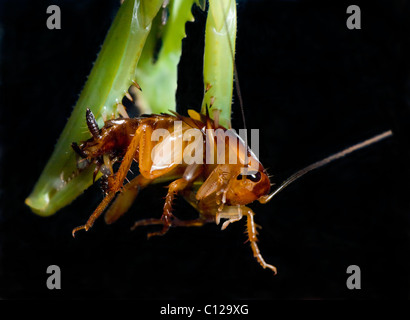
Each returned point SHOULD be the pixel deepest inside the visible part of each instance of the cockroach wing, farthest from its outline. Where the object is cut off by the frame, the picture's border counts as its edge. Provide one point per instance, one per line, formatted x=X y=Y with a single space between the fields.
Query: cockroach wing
x=168 y=153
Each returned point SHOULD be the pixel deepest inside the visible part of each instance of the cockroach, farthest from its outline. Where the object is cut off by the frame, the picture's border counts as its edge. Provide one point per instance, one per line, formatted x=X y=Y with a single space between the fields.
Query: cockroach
x=217 y=190
x=225 y=189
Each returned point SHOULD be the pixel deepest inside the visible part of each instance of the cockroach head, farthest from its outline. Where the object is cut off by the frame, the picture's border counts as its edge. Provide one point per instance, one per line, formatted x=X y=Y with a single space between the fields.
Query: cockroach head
x=246 y=188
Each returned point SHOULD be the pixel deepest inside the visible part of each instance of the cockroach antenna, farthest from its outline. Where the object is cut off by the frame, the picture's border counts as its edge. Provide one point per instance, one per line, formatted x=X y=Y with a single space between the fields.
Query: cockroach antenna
x=321 y=163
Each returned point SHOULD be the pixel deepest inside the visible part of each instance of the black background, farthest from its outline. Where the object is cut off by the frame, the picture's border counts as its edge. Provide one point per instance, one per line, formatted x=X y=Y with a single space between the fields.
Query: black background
x=310 y=85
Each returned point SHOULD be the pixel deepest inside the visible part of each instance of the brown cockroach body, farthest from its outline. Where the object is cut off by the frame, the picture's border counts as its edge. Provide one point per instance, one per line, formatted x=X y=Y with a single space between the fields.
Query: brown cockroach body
x=224 y=188
x=216 y=189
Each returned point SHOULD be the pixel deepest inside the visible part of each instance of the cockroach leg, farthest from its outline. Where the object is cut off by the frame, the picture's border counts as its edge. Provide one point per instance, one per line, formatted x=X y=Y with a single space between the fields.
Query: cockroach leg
x=221 y=194
x=104 y=203
x=146 y=222
x=77 y=149
x=96 y=170
x=252 y=237
x=190 y=223
x=167 y=218
x=232 y=213
x=125 y=199
x=175 y=222
x=115 y=182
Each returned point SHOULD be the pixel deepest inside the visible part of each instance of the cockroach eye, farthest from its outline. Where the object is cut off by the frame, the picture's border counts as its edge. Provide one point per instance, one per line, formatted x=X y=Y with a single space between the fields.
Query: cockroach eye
x=255 y=177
